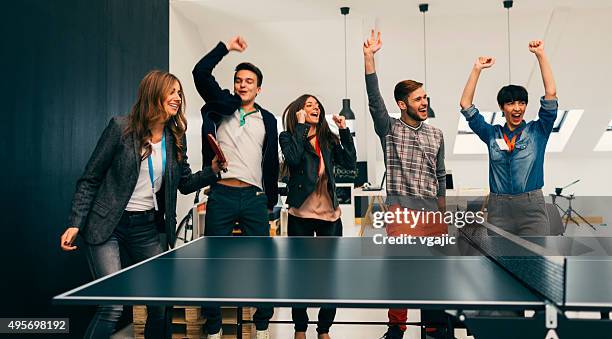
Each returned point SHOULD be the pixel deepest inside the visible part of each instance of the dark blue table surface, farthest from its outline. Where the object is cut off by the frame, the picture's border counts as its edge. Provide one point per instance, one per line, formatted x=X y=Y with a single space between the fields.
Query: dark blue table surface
x=345 y=272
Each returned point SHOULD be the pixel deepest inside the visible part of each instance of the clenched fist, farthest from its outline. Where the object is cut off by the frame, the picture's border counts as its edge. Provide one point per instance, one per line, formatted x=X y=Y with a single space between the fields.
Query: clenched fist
x=236 y=43
x=301 y=116
x=484 y=62
x=340 y=121
x=536 y=47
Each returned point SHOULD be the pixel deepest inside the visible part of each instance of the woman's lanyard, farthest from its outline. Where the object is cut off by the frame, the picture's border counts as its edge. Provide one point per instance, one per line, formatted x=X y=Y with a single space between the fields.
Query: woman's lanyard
x=511 y=142
x=243 y=115
x=151 y=171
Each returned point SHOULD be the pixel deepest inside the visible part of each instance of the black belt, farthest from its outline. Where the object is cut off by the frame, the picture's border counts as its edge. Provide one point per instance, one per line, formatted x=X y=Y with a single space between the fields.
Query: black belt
x=141 y=215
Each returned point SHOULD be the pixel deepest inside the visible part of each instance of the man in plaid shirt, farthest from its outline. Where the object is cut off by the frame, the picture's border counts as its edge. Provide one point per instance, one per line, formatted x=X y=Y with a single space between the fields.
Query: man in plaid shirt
x=414 y=159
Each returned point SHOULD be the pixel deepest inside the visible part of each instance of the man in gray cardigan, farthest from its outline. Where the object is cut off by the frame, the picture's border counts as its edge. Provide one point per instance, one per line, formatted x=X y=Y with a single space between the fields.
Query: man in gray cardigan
x=414 y=160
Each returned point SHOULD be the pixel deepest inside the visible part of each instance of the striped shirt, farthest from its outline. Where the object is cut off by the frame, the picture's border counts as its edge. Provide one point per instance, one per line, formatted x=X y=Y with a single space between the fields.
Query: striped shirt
x=414 y=156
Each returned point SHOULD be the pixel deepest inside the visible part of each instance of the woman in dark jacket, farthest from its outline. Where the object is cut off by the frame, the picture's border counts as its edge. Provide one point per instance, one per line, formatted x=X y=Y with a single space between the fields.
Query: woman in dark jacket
x=127 y=194
x=311 y=152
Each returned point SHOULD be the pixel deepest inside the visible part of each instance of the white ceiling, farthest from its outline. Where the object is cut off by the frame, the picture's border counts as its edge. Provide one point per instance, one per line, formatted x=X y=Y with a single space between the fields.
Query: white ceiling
x=274 y=10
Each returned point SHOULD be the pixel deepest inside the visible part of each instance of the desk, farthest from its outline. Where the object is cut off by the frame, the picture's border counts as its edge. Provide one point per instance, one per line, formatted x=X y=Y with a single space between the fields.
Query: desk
x=373 y=197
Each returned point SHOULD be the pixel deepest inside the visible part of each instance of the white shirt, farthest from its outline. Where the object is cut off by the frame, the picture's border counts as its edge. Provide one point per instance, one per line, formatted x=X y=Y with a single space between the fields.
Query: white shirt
x=242 y=147
x=142 y=197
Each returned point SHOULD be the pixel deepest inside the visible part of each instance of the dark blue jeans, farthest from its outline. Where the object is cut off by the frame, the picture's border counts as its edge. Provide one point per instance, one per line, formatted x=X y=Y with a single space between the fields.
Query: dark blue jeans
x=226 y=206
x=135 y=239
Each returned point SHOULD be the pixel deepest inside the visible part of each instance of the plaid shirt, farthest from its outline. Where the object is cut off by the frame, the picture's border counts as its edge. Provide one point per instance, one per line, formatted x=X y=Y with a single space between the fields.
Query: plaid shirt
x=414 y=156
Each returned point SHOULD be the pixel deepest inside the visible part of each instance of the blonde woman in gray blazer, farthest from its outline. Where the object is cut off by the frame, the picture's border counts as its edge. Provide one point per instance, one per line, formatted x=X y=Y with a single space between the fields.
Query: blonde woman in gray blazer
x=127 y=195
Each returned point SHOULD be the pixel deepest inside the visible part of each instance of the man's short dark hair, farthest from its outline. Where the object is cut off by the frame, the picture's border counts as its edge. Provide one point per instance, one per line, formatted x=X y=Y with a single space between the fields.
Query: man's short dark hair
x=512 y=93
x=250 y=67
x=403 y=89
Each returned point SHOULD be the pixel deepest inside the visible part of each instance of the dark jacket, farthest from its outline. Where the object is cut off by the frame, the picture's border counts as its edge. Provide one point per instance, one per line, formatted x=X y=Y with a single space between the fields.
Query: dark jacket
x=104 y=189
x=303 y=163
x=219 y=103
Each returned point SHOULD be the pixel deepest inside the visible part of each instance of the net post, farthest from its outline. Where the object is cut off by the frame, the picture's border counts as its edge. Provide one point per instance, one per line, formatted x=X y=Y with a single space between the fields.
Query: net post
x=551 y=315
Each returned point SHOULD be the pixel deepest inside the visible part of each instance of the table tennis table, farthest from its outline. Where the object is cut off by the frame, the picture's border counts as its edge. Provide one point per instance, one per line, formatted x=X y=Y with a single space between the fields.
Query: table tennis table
x=357 y=273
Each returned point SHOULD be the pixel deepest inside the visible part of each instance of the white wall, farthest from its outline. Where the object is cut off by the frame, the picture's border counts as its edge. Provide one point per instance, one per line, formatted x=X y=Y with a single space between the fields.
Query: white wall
x=300 y=49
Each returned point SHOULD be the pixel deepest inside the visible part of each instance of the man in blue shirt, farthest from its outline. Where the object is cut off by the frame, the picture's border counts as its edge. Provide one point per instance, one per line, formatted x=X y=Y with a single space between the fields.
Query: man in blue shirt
x=516 y=150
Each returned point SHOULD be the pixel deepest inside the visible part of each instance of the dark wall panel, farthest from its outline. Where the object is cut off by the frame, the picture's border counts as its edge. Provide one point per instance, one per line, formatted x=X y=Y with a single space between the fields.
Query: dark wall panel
x=69 y=65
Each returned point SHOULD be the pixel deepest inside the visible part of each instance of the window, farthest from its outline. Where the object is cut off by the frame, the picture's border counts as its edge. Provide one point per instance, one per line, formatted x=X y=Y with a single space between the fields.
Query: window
x=605 y=142
x=497 y=118
x=464 y=127
x=559 y=121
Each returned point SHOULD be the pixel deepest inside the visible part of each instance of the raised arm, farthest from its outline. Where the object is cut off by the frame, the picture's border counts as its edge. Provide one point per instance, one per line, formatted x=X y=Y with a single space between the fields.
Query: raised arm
x=483 y=129
x=548 y=105
x=467 y=97
x=344 y=153
x=376 y=104
x=550 y=89
x=205 y=82
x=370 y=47
x=292 y=145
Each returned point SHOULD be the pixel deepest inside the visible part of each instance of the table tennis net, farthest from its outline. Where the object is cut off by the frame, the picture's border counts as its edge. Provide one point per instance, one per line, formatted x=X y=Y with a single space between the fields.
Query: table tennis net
x=540 y=269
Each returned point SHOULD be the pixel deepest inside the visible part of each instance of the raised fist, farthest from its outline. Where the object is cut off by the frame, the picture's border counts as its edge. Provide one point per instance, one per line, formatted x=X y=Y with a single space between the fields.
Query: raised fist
x=372 y=44
x=484 y=62
x=536 y=47
x=301 y=116
x=340 y=121
x=236 y=43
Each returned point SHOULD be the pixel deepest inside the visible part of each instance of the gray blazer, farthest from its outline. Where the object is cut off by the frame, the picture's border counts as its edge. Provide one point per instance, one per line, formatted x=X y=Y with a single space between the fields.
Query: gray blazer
x=104 y=189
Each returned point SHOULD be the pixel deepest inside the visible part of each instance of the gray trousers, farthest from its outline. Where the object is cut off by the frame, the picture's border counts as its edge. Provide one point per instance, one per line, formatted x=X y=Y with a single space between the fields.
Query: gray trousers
x=520 y=214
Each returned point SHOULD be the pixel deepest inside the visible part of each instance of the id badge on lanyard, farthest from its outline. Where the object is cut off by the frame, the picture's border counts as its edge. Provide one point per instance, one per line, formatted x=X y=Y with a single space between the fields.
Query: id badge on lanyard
x=152 y=172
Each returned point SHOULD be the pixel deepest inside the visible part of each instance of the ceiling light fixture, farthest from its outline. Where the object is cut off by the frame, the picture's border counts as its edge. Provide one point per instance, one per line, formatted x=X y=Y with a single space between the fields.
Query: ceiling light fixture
x=346 y=102
x=423 y=8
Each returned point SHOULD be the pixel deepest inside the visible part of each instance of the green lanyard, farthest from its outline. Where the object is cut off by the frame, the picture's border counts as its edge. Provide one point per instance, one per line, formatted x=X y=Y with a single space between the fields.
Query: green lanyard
x=244 y=114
